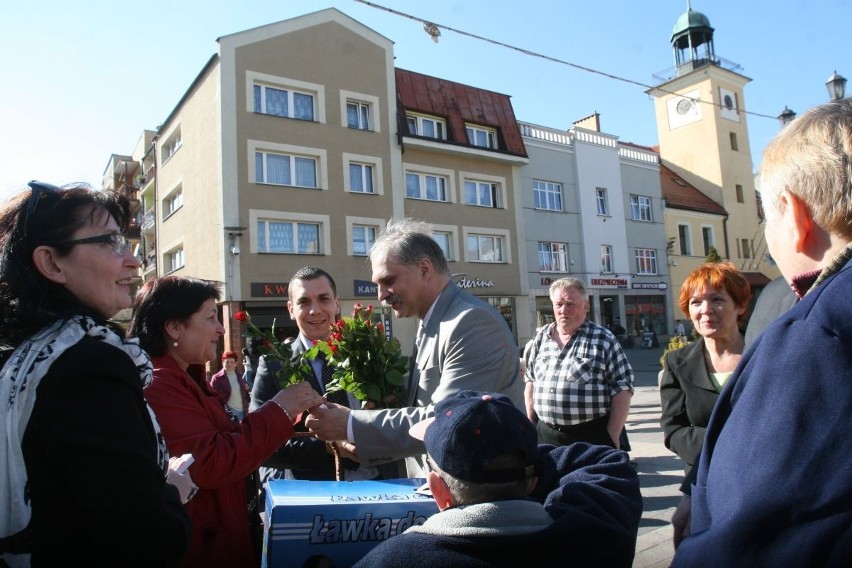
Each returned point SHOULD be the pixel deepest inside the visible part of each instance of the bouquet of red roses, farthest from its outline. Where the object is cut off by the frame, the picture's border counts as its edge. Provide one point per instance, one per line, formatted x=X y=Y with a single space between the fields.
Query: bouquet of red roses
x=273 y=350
x=367 y=363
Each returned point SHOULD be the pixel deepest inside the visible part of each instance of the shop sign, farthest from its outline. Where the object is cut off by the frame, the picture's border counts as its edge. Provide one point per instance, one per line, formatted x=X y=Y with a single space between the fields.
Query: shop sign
x=365 y=288
x=608 y=282
x=269 y=289
x=649 y=285
x=465 y=282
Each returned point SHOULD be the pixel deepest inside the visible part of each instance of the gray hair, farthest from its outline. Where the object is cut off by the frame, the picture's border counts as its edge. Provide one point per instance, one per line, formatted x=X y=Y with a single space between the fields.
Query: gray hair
x=569 y=283
x=812 y=159
x=408 y=241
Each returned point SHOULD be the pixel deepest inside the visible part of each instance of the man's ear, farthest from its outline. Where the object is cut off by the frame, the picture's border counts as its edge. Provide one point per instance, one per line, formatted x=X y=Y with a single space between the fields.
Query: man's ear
x=46 y=261
x=801 y=224
x=440 y=491
x=425 y=267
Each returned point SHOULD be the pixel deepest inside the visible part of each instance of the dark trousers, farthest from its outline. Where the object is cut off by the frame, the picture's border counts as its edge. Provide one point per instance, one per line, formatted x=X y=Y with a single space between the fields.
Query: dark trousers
x=593 y=432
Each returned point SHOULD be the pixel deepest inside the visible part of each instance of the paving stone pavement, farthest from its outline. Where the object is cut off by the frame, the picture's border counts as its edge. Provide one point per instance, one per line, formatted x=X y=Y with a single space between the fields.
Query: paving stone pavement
x=660 y=471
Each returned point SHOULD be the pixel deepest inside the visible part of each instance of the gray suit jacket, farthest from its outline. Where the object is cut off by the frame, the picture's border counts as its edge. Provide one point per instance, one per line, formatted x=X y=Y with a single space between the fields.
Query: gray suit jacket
x=467 y=345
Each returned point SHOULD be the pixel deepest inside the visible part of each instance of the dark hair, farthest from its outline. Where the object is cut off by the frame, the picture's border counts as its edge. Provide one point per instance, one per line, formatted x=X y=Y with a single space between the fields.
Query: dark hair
x=28 y=300
x=312 y=273
x=169 y=298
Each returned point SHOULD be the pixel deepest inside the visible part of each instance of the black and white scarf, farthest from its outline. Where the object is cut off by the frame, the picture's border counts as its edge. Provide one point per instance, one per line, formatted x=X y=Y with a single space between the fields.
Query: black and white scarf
x=19 y=380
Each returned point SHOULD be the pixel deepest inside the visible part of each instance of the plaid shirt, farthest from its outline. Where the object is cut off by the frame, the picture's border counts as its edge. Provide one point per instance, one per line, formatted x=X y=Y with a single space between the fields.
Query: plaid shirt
x=576 y=383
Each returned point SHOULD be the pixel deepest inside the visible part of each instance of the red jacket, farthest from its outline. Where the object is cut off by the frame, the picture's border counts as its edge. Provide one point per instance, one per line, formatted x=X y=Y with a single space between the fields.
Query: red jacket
x=220 y=383
x=193 y=420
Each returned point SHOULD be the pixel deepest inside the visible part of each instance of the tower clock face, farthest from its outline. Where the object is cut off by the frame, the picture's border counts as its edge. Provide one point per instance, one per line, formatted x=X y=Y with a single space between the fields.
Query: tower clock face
x=728 y=105
x=684 y=109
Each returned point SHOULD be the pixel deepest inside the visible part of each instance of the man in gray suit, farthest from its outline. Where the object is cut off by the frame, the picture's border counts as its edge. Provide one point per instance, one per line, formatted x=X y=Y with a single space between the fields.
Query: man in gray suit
x=463 y=344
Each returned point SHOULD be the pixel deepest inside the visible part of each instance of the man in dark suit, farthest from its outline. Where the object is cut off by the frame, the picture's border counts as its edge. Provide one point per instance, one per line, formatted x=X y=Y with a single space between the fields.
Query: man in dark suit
x=464 y=344
x=314 y=306
x=776 y=298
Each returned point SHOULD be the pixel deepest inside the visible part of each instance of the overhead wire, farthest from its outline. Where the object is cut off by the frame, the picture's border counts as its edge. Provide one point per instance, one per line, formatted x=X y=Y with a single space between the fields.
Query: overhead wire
x=433 y=30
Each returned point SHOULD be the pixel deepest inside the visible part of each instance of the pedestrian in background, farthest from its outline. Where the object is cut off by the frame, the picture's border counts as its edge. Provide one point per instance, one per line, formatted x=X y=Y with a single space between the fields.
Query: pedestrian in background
x=86 y=476
x=230 y=386
x=579 y=381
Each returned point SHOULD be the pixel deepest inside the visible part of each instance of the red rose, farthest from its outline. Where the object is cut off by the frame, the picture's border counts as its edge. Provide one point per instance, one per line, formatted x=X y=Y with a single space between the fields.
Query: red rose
x=267 y=344
x=242 y=316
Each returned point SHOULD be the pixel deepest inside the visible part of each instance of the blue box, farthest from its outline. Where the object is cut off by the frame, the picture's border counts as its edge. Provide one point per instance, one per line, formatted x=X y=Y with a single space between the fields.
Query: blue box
x=341 y=520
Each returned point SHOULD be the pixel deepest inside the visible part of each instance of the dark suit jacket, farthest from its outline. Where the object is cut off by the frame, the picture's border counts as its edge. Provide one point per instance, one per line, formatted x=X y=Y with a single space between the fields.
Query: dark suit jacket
x=775 y=299
x=687 y=397
x=302 y=457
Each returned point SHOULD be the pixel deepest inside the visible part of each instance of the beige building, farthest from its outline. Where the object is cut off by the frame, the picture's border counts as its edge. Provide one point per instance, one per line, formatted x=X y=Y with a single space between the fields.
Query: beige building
x=296 y=143
x=703 y=140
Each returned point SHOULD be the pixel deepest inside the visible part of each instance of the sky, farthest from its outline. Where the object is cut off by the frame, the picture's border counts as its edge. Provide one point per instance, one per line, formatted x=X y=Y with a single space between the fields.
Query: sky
x=84 y=79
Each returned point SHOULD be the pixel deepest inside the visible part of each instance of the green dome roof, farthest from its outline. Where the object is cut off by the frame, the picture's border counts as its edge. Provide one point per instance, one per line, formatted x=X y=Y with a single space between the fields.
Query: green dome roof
x=691 y=19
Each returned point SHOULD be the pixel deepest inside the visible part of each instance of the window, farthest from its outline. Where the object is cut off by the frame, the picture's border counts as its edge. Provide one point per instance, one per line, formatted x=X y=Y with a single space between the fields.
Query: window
x=361 y=178
x=707 y=237
x=683 y=237
x=481 y=136
x=427 y=126
x=171 y=145
x=553 y=257
x=480 y=193
x=425 y=186
x=746 y=248
x=734 y=145
x=640 y=207
x=740 y=194
x=363 y=238
x=283 y=169
x=358 y=115
x=606 y=259
x=646 y=261
x=173 y=202
x=485 y=248
x=174 y=260
x=547 y=195
x=283 y=102
x=601 y=201
x=288 y=237
x=443 y=240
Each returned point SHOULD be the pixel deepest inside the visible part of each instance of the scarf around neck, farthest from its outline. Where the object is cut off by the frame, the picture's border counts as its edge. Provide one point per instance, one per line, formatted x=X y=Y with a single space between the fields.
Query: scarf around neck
x=19 y=380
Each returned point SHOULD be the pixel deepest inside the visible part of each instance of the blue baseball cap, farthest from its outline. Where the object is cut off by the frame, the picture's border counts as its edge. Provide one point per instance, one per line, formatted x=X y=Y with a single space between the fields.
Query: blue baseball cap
x=471 y=429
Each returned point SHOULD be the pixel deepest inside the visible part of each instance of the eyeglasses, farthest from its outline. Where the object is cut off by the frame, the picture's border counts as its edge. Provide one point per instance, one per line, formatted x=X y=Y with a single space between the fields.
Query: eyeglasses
x=38 y=190
x=118 y=243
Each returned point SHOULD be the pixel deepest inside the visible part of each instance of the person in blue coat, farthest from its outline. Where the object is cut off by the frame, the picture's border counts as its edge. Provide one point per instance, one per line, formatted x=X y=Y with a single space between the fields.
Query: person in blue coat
x=773 y=486
x=501 y=496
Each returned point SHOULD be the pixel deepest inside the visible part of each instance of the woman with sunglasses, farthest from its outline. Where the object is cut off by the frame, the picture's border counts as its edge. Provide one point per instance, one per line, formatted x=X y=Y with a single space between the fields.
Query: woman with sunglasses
x=88 y=480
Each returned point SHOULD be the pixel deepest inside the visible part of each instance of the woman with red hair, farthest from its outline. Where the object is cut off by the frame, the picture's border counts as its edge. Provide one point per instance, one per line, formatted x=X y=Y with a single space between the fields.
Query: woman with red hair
x=230 y=386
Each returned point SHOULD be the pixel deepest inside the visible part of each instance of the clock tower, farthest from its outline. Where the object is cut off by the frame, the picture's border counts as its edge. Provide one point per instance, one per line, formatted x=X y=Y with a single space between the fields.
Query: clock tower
x=703 y=137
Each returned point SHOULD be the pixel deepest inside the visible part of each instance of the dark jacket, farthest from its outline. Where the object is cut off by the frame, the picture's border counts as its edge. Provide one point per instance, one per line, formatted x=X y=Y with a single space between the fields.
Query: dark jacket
x=99 y=497
x=590 y=492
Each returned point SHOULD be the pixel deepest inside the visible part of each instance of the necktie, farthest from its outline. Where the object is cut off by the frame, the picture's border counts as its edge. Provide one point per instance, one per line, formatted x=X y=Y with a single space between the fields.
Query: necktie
x=413 y=369
x=338 y=396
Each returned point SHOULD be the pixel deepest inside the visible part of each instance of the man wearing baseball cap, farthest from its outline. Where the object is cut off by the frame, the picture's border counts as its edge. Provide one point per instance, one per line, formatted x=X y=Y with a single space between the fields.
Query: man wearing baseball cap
x=502 y=496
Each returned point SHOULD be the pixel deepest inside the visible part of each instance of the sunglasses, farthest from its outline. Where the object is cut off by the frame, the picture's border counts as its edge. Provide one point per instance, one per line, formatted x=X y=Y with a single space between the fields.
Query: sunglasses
x=38 y=190
x=118 y=243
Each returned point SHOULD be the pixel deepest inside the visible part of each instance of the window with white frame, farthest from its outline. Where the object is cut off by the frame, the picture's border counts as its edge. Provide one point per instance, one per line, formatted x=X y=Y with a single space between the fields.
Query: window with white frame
x=443 y=238
x=646 y=261
x=361 y=178
x=485 y=248
x=288 y=103
x=481 y=136
x=288 y=237
x=363 y=237
x=285 y=169
x=481 y=193
x=174 y=259
x=601 y=201
x=358 y=115
x=606 y=259
x=428 y=126
x=425 y=186
x=552 y=257
x=171 y=145
x=173 y=202
x=683 y=237
x=640 y=208
x=547 y=195
x=707 y=238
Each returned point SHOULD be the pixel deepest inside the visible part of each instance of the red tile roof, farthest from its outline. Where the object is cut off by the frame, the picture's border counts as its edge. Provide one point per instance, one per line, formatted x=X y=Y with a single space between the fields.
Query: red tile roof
x=679 y=194
x=458 y=104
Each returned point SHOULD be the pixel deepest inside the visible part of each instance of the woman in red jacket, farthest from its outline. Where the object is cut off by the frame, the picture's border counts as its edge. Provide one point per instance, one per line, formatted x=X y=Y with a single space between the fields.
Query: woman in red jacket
x=176 y=321
x=230 y=386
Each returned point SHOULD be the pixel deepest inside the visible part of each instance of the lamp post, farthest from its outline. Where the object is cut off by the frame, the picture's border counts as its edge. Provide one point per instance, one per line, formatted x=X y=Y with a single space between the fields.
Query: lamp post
x=786 y=116
x=836 y=86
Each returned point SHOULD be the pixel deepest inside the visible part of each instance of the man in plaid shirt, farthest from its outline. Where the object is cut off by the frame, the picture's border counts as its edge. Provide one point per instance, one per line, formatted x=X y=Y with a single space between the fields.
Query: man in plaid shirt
x=578 y=381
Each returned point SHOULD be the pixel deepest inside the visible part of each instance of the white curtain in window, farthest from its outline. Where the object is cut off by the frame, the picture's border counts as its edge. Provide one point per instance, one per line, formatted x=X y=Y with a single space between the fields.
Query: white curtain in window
x=276 y=102
x=280 y=237
x=412 y=185
x=356 y=183
x=303 y=106
x=308 y=238
x=278 y=169
x=306 y=172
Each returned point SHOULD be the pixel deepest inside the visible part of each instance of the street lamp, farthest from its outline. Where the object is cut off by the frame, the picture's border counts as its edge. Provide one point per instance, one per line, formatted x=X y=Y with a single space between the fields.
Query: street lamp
x=786 y=116
x=836 y=86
